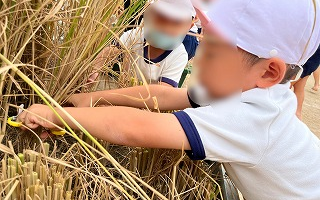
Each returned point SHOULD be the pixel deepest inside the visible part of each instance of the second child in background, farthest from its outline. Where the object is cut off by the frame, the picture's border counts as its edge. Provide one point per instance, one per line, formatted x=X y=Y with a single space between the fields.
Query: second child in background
x=311 y=66
x=191 y=42
x=157 y=47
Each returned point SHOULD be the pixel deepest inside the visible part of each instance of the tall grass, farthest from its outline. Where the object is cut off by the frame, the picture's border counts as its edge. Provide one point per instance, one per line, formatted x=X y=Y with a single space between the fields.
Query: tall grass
x=46 y=52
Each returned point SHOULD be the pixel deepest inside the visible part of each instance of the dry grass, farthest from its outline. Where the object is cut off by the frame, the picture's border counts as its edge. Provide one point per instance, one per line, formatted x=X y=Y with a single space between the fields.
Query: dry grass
x=53 y=43
x=41 y=167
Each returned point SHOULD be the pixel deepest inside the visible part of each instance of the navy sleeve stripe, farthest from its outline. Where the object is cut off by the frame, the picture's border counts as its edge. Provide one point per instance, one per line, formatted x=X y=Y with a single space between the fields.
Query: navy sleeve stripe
x=197 y=150
x=169 y=81
x=192 y=103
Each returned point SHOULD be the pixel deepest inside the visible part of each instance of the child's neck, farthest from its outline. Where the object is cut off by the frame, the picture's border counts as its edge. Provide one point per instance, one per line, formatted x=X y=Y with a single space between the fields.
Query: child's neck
x=154 y=52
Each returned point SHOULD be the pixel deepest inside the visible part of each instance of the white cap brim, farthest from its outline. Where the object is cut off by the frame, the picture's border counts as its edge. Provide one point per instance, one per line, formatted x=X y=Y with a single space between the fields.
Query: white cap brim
x=207 y=24
x=171 y=11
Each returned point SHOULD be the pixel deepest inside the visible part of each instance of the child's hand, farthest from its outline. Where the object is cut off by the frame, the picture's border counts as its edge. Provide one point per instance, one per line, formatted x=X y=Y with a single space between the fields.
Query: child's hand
x=92 y=77
x=38 y=115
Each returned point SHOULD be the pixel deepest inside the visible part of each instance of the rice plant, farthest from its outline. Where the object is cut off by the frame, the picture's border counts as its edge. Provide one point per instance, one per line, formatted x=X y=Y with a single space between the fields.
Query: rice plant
x=46 y=52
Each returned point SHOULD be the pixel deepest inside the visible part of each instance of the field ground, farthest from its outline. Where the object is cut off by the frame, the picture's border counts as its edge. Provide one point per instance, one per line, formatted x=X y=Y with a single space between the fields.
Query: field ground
x=311 y=109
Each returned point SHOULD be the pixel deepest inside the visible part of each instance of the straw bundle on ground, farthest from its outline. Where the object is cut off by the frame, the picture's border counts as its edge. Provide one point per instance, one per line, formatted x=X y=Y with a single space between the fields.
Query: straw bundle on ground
x=75 y=175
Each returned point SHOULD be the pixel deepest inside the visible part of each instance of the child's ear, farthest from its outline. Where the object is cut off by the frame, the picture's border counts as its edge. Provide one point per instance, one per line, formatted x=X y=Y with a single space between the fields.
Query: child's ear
x=273 y=72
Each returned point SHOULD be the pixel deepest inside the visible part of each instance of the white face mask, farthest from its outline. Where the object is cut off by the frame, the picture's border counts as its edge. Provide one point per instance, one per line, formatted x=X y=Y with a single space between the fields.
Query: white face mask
x=197 y=92
x=199 y=95
x=161 y=40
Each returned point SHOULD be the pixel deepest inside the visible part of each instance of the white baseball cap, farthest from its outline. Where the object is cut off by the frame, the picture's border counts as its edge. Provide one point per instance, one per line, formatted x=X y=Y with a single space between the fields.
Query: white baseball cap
x=287 y=29
x=174 y=9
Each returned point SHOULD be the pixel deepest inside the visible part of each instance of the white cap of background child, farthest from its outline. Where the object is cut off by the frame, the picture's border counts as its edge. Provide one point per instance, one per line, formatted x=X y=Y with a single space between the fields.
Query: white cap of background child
x=174 y=9
x=287 y=29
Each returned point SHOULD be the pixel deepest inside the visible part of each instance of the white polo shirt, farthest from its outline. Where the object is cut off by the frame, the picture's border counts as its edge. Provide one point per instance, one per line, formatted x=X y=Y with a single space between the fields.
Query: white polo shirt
x=167 y=68
x=267 y=151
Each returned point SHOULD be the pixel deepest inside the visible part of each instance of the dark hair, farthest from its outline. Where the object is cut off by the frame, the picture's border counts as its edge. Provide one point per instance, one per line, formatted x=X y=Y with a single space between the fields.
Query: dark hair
x=292 y=70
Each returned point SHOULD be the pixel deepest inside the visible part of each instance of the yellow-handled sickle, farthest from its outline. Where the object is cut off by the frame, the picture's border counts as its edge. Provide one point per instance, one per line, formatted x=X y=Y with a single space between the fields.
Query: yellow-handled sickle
x=12 y=121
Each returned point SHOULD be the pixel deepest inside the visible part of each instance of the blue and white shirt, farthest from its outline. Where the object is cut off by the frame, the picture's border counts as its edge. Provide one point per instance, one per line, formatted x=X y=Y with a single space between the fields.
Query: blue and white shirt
x=167 y=68
x=267 y=151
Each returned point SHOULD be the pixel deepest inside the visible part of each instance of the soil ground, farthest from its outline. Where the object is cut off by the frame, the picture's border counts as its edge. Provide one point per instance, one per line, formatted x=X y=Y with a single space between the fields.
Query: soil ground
x=311 y=108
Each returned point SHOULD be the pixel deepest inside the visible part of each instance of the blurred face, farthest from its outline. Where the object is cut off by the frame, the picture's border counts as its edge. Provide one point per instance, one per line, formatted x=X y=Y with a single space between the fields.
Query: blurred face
x=205 y=4
x=221 y=69
x=166 y=25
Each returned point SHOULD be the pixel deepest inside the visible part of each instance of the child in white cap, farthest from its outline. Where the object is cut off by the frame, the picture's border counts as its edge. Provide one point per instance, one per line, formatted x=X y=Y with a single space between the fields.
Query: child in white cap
x=191 y=42
x=299 y=86
x=316 y=76
x=250 y=52
x=157 y=47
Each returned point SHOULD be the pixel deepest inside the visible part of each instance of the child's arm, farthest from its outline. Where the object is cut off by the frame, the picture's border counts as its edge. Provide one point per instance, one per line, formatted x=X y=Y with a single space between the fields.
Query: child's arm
x=168 y=98
x=118 y=125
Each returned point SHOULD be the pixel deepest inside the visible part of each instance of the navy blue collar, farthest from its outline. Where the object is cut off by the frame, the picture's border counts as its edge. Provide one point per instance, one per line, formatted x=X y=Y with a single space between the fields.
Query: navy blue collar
x=156 y=60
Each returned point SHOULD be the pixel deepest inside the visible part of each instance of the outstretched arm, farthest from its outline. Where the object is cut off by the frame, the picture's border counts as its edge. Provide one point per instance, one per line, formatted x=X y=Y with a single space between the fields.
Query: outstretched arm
x=118 y=125
x=168 y=98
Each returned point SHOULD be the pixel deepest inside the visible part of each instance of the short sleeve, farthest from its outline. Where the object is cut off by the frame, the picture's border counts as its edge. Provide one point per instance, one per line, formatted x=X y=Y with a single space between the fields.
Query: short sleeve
x=125 y=38
x=221 y=133
x=131 y=37
x=173 y=70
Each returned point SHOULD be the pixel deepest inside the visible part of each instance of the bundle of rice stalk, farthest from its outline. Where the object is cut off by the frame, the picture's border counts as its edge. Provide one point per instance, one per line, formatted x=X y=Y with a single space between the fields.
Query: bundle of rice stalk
x=54 y=43
x=167 y=178
x=47 y=48
x=33 y=175
x=130 y=182
x=75 y=175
